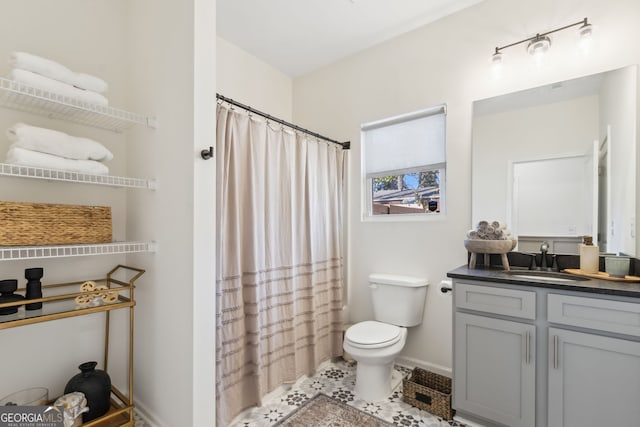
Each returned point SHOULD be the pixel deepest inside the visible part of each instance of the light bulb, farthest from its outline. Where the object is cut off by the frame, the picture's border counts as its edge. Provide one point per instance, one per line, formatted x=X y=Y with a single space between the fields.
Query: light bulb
x=497 y=59
x=585 y=32
x=538 y=57
x=496 y=64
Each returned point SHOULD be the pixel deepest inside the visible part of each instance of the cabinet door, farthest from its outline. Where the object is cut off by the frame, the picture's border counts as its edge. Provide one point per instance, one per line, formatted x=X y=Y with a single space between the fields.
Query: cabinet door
x=494 y=369
x=594 y=381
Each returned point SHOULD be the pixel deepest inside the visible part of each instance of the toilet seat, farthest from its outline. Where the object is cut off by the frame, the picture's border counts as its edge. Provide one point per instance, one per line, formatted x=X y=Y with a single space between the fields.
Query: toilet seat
x=372 y=334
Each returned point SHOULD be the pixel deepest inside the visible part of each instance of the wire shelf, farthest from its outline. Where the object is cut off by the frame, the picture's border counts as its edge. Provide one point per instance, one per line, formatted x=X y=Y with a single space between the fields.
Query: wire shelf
x=40 y=252
x=77 y=177
x=20 y=96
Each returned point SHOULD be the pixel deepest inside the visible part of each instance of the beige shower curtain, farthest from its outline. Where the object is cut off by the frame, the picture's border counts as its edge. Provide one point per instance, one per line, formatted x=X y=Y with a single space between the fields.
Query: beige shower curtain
x=279 y=264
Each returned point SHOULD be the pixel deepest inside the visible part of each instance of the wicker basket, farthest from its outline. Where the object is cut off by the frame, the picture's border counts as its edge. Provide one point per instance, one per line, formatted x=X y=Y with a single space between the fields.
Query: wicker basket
x=28 y=224
x=429 y=391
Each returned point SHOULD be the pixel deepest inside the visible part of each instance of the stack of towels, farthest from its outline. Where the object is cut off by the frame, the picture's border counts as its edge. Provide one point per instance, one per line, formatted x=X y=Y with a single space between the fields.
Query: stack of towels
x=51 y=149
x=485 y=230
x=53 y=77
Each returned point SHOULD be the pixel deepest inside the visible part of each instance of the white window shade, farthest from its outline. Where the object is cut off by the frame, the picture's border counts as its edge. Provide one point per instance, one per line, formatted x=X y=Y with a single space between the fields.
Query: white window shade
x=405 y=142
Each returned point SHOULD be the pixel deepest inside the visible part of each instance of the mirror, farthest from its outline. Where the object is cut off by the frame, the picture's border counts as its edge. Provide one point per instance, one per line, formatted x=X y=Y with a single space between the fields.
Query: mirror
x=558 y=162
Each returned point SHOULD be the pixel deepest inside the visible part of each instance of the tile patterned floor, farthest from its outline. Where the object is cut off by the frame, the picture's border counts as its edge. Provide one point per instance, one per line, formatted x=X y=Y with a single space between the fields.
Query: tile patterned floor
x=337 y=380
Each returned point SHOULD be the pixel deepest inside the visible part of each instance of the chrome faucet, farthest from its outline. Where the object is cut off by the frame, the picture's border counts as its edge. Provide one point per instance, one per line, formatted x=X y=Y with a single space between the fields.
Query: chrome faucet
x=544 y=265
x=544 y=248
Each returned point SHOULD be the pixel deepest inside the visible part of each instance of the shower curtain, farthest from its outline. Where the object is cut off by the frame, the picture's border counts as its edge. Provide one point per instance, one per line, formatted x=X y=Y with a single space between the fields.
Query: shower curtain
x=279 y=257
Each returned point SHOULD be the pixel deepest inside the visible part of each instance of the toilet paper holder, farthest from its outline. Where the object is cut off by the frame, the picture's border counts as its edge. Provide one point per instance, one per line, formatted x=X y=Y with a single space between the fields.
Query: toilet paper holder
x=446 y=286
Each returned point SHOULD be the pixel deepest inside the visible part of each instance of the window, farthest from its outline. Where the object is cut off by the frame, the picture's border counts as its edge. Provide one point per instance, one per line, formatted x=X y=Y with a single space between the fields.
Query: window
x=403 y=163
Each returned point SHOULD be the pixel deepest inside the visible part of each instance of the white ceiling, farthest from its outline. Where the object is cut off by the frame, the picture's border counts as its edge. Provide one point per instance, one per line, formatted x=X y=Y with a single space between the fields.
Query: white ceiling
x=299 y=36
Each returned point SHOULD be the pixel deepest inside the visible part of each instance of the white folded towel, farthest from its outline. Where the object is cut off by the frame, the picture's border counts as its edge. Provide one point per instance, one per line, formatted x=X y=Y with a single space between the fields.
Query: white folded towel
x=57 y=143
x=499 y=225
x=53 y=70
x=20 y=156
x=54 y=86
x=482 y=225
x=486 y=230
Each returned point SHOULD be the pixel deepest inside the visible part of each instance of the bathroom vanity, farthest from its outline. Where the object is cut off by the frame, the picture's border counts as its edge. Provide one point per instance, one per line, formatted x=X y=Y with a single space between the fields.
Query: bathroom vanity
x=545 y=351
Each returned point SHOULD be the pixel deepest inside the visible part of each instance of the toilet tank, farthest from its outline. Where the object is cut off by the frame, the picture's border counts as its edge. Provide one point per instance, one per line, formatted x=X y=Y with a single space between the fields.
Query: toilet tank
x=398 y=300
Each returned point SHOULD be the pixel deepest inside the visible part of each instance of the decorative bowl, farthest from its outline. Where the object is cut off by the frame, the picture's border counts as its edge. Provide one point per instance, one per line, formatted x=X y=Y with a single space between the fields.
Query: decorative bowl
x=616 y=266
x=490 y=246
x=35 y=396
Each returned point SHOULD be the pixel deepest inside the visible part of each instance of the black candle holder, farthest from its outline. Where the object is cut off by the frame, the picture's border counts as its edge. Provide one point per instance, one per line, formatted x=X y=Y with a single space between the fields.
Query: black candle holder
x=7 y=289
x=34 y=287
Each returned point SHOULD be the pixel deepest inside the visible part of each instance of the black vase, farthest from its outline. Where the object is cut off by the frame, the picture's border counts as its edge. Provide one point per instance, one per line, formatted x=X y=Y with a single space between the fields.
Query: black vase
x=7 y=289
x=34 y=287
x=96 y=386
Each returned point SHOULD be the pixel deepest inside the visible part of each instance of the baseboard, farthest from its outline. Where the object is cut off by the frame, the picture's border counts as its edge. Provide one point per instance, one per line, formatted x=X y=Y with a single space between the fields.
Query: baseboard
x=466 y=422
x=144 y=414
x=417 y=363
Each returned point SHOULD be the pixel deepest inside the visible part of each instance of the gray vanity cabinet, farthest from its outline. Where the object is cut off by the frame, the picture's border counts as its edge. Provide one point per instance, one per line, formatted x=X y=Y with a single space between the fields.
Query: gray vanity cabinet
x=580 y=395
x=495 y=370
x=593 y=379
x=494 y=358
x=542 y=356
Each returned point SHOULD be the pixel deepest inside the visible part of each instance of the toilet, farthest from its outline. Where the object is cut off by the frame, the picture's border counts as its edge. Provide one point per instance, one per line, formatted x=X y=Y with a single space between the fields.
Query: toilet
x=398 y=303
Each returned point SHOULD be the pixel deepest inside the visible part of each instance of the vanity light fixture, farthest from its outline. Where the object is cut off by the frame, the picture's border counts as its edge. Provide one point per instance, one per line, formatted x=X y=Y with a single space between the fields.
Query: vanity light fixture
x=539 y=44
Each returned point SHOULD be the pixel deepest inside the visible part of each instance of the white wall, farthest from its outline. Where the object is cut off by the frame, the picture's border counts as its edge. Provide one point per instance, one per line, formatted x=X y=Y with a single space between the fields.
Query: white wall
x=250 y=81
x=171 y=75
x=204 y=326
x=447 y=61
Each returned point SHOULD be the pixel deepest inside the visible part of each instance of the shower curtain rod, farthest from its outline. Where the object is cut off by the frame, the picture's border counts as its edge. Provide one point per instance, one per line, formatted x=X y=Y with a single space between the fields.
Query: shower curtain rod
x=345 y=145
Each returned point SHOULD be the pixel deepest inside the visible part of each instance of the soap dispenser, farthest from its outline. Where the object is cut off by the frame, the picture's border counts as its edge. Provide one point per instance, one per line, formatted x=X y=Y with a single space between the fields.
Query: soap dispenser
x=589 y=256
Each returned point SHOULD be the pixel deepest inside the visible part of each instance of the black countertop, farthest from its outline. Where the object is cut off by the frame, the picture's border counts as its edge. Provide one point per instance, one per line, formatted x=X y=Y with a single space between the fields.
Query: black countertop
x=498 y=275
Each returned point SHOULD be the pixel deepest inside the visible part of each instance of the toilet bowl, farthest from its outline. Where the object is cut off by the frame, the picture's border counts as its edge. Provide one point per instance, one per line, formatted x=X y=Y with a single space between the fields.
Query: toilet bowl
x=374 y=346
x=398 y=303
